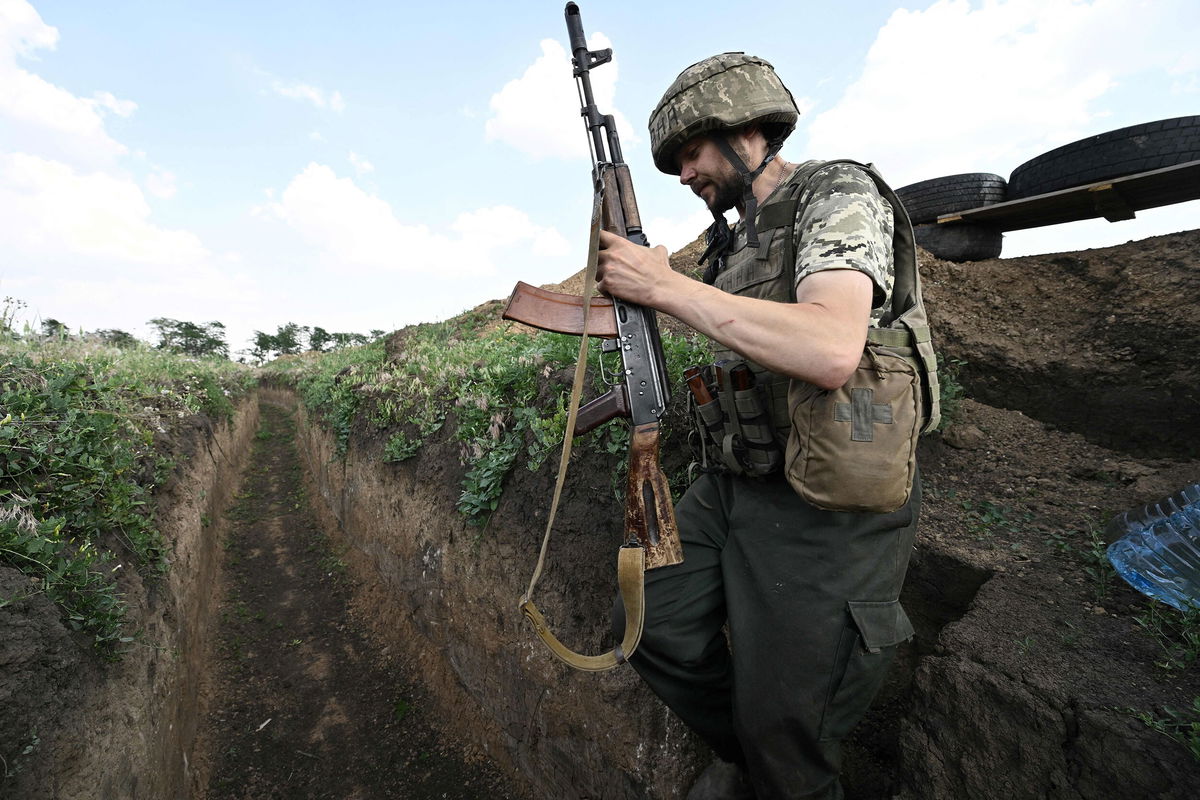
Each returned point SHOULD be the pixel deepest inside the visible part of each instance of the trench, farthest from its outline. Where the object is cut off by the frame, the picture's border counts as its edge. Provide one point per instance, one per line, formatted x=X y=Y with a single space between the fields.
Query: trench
x=332 y=628
x=301 y=700
x=938 y=590
x=306 y=700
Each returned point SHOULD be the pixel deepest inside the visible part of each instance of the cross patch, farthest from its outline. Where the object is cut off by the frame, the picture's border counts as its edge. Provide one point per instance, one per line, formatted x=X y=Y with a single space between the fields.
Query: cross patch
x=862 y=414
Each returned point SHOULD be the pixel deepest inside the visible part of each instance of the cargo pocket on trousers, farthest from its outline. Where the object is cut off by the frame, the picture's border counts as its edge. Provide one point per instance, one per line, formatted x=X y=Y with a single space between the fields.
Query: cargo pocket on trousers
x=865 y=650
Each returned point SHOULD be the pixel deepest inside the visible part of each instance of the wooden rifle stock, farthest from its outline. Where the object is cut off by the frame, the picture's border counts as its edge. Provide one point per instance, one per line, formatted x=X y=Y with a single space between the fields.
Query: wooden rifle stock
x=648 y=500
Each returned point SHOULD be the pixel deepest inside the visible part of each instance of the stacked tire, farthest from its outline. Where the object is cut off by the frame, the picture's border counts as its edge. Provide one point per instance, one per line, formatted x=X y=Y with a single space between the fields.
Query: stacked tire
x=925 y=201
x=1125 y=151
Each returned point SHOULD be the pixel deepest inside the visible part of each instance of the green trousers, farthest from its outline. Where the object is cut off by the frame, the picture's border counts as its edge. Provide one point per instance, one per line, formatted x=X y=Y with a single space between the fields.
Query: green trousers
x=811 y=600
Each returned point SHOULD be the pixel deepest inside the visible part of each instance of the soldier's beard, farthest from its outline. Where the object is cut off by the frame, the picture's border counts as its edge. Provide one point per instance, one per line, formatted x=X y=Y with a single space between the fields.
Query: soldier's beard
x=727 y=192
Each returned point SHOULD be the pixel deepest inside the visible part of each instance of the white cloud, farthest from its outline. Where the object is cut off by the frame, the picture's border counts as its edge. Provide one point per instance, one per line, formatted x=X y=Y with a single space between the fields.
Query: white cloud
x=49 y=209
x=22 y=29
x=505 y=226
x=354 y=228
x=77 y=232
x=538 y=113
x=161 y=183
x=677 y=232
x=312 y=94
x=117 y=299
x=959 y=87
x=107 y=100
x=361 y=165
x=36 y=115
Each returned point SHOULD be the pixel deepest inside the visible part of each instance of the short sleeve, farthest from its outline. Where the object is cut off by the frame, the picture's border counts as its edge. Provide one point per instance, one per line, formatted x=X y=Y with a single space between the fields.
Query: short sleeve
x=846 y=224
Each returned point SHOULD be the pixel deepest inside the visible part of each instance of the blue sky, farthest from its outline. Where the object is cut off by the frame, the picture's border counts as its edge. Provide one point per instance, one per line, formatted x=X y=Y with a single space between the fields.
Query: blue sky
x=373 y=164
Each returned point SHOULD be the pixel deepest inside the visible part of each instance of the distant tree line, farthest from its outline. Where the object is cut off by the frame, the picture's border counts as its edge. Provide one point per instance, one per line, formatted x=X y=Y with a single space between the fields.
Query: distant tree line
x=206 y=339
x=290 y=339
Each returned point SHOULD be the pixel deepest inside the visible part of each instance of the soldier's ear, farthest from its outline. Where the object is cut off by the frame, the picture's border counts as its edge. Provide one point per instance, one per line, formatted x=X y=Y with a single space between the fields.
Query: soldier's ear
x=748 y=137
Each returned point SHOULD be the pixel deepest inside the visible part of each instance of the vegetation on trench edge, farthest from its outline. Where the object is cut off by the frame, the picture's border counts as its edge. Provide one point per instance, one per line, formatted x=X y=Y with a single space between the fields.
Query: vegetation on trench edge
x=503 y=387
x=81 y=424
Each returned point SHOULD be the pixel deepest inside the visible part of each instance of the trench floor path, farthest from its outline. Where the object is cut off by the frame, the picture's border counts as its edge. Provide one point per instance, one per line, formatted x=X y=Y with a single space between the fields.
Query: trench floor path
x=301 y=702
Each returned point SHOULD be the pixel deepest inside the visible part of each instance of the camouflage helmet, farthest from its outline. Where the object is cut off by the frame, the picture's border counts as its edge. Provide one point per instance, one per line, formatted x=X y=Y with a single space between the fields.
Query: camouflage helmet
x=720 y=93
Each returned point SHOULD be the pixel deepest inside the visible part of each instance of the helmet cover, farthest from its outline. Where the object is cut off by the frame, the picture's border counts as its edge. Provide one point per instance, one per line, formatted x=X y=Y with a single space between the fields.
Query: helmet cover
x=723 y=92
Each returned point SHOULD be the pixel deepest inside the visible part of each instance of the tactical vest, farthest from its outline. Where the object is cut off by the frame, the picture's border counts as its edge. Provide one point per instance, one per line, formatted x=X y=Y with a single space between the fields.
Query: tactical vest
x=902 y=332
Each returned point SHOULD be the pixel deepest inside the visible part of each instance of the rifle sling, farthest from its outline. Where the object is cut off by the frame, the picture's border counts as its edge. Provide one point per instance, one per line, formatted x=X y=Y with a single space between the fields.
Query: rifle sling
x=631 y=566
x=630 y=559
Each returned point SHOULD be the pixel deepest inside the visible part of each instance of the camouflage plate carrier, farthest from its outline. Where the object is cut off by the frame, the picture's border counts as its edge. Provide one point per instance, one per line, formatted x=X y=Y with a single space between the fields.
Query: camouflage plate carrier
x=853 y=448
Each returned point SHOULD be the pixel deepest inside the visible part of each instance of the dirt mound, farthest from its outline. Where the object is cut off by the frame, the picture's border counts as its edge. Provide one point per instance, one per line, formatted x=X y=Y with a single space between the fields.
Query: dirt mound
x=1100 y=342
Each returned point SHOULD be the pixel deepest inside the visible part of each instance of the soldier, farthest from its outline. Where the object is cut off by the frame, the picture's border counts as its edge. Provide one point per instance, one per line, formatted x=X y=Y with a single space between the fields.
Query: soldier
x=772 y=637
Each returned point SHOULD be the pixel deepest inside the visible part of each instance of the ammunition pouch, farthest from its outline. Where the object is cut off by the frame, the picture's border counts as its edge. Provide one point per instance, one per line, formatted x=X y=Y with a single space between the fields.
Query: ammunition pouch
x=734 y=431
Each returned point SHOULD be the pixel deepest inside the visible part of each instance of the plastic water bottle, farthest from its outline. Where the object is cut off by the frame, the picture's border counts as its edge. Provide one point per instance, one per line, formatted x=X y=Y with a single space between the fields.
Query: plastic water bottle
x=1159 y=551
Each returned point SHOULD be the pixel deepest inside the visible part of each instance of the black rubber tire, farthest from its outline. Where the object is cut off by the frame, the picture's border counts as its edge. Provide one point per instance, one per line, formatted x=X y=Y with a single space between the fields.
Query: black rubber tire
x=960 y=241
x=927 y=200
x=1138 y=148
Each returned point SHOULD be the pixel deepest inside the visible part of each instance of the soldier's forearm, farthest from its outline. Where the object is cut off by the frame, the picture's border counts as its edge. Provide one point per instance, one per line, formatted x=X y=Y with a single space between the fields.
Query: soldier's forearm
x=818 y=339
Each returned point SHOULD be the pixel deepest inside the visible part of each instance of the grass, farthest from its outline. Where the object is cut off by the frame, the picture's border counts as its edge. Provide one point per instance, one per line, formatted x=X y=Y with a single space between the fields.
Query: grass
x=1176 y=633
x=1097 y=566
x=400 y=709
x=84 y=427
x=1182 y=727
x=498 y=384
x=1092 y=556
x=81 y=431
x=985 y=520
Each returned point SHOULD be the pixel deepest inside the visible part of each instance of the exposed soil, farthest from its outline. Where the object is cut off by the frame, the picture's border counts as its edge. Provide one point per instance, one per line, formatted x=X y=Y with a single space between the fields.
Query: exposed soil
x=304 y=703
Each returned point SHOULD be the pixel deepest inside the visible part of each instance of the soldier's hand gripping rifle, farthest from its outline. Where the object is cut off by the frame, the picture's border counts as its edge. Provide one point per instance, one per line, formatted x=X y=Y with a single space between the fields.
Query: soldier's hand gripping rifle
x=641 y=395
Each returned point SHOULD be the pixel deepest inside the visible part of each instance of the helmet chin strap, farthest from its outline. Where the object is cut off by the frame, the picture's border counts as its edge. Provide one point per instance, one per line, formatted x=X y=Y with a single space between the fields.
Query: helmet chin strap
x=719 y=236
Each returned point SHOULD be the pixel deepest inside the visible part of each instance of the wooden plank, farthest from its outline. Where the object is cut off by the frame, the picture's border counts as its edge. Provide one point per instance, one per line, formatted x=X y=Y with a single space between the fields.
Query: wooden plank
x=1109 y=203
x=1116 y=199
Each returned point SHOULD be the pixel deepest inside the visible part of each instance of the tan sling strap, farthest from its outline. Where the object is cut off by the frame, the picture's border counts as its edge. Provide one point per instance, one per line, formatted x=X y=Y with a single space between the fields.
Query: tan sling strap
x=631 y=559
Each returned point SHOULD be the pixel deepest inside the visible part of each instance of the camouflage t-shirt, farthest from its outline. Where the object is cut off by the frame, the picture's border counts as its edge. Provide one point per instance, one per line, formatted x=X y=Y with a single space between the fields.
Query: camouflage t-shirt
x=846 y=224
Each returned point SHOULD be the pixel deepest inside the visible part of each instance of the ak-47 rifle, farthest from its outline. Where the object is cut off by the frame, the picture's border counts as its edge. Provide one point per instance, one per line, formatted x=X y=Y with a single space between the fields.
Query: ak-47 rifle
x=641 y=395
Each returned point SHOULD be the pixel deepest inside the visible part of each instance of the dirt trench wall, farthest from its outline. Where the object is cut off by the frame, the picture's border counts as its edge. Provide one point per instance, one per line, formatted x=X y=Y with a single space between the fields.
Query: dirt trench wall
x=124 y=729
x=445 y=594
x=1101 y=342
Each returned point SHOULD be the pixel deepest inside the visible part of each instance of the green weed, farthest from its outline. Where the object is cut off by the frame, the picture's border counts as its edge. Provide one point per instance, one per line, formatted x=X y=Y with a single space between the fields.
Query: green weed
x=80 y=423
x=1182 y=727
x=400 y=709
x=986 y=519
x=504 y=388
x=952 y=391
x=1097 y=566
x=1177 y=634
x=400 y=447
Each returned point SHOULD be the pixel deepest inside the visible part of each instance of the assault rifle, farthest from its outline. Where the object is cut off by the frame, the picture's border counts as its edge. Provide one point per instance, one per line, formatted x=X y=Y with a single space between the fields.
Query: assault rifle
x=632 y=330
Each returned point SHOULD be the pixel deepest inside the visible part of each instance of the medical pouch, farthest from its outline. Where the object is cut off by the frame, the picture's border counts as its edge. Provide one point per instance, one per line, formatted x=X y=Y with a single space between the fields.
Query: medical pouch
x=855 y=448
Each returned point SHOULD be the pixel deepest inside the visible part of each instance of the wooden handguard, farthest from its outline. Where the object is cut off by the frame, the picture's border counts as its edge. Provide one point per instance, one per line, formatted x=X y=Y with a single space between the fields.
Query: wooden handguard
x=560 y=313
x=649 y=513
